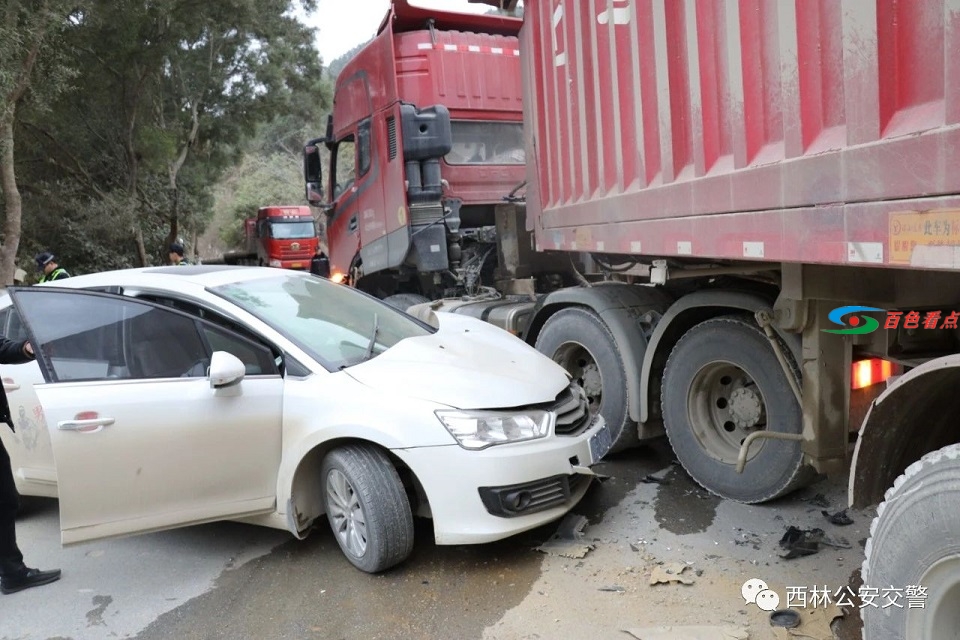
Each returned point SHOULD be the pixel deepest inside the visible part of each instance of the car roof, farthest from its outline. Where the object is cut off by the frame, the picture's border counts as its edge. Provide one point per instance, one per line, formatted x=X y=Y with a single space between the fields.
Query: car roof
x=179 y=278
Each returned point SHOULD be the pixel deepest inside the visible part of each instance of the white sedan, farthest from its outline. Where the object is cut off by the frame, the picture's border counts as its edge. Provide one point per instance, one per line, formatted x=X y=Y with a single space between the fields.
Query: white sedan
x=171 y=396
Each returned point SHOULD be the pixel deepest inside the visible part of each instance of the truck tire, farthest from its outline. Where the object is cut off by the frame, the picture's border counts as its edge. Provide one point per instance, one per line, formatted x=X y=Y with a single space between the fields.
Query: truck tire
x=915 y=541
x=404 y=301
x=721 y=382
x=367 y=507
x=580 y=342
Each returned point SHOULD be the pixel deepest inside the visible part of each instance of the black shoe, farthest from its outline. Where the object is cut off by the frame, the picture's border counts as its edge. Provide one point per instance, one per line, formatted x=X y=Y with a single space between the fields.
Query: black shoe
x=27 y=579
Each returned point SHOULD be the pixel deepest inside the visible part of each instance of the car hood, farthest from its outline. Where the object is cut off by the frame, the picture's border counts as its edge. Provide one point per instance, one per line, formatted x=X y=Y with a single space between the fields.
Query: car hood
x=466 y=364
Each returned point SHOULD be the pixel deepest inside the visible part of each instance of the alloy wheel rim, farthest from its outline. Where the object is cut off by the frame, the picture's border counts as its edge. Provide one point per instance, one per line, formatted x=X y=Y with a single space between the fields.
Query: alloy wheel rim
x=346 y=513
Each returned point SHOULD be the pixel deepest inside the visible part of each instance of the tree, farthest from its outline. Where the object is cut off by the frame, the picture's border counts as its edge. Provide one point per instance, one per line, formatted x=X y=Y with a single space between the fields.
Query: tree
x=168 y=92
x=28 y=31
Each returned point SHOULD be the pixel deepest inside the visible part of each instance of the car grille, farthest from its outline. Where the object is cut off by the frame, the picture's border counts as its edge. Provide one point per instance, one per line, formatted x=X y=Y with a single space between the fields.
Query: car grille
x=531 y=497
x=573 y=412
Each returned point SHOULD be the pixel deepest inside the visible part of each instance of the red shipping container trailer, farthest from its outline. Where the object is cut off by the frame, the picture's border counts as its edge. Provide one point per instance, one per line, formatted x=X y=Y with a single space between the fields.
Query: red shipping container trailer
x=740 y=228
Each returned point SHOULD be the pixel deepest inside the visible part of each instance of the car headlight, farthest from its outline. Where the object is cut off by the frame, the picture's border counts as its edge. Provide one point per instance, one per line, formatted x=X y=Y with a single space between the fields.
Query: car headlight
x=482 y=429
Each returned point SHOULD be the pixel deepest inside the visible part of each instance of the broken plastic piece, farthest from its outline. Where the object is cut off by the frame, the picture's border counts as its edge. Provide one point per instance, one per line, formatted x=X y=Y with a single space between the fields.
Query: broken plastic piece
x=840 y=518
x=665 y=574
x=568 y=540
x=798 y=542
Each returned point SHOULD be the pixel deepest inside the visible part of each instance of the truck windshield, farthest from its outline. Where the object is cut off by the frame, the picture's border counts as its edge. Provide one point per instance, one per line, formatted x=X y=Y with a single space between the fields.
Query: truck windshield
x=291 y=230
x=333 y=323
x=486 y=143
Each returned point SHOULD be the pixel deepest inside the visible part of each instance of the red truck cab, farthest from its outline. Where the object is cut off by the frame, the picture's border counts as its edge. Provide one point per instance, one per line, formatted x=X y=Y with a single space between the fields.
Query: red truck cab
x=425 y=139
x=285 y=237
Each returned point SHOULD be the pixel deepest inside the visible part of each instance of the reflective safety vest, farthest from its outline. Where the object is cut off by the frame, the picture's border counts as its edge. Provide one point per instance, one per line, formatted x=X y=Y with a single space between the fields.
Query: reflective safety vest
x=57 y=274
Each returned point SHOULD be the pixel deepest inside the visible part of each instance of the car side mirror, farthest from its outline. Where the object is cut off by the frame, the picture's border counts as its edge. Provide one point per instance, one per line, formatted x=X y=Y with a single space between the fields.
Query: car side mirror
x=226 y=370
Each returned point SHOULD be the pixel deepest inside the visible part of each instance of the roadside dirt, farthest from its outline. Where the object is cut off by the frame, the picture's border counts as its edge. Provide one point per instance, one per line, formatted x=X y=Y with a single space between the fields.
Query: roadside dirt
x=656 y=525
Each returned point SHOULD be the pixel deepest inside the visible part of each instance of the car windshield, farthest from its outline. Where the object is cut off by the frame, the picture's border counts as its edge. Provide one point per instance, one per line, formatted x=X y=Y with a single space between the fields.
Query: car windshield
x=334 y=323
x=291 y=230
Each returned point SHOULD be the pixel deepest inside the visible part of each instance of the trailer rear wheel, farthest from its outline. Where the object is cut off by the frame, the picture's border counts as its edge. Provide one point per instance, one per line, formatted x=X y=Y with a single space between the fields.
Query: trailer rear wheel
x=915 y=542
x=580 y=342
x=722 y=382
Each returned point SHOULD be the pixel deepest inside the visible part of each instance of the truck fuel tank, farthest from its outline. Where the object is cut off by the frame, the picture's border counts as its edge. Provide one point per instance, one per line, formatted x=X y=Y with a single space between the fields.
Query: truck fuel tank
x=510 y=313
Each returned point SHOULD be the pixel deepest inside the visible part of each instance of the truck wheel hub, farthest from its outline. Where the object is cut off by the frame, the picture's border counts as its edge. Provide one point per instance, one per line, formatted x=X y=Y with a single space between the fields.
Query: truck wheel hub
x=745 y=407
x=592 y=382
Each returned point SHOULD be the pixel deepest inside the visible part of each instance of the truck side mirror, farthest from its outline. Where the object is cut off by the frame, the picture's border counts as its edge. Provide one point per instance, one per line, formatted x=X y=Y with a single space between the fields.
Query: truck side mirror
x=313 y=172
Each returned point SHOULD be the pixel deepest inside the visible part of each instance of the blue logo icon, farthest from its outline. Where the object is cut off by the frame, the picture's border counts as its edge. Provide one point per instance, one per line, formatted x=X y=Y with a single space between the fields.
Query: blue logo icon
x=855 y=324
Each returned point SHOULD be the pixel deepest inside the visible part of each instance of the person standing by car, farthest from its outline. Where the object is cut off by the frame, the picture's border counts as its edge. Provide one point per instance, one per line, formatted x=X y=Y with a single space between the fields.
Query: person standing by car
x=48 y=267
x=14 y=574
x=176 y=255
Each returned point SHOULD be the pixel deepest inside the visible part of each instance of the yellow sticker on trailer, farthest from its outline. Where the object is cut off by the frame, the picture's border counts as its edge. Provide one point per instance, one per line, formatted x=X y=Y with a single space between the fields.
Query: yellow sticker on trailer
x=912 y=229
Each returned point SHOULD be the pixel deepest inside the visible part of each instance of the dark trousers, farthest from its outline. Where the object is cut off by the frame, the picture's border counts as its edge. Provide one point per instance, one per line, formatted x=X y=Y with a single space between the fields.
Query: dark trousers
x=11 y=560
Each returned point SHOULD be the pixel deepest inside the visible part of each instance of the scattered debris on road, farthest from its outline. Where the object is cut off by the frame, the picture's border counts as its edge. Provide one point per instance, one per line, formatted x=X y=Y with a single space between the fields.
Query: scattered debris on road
x=797 y=542
x=690 y=633
x=819 y=500
x=652 y=479
x=815 y=624
x=568 y=540
x=840 y=518
x=667 y=573
x=613 y=588
x=786 y=618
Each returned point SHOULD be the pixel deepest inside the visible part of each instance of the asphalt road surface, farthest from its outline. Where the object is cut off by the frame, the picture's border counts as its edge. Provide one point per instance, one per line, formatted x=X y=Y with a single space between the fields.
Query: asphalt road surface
x=236 y=581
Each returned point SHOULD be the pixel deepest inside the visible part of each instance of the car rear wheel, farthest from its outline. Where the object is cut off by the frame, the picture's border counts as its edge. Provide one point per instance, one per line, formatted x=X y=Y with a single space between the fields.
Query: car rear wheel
x=367 y=507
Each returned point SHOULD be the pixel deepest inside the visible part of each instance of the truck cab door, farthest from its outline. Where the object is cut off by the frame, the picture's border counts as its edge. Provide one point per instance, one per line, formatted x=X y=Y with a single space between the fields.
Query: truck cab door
x=343 y=217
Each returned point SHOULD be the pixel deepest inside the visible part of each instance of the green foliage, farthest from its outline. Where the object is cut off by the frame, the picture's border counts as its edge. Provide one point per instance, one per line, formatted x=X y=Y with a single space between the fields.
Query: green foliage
x=144 y=106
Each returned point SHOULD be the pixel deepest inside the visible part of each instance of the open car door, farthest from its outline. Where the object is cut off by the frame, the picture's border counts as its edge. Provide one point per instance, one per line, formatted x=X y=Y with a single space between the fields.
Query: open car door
x=157 y=418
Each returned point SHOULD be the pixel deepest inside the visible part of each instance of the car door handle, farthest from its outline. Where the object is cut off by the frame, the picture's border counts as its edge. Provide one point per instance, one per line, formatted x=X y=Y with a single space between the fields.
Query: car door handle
x=353 y=224
x=89 y=425
x=10 y=385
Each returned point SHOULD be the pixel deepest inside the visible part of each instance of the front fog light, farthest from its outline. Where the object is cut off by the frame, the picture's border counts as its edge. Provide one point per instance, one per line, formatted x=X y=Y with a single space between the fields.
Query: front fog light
x=481 y=429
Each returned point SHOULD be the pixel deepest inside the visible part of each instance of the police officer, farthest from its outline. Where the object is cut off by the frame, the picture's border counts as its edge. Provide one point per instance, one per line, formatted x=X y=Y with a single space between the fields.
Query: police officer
x=48 y=267
x=176 y=254
x=14 y=575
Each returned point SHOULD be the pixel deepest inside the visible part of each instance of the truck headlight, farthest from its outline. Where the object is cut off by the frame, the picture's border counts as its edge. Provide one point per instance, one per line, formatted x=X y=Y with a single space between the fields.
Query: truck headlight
x=482 y=429
x=275 y=263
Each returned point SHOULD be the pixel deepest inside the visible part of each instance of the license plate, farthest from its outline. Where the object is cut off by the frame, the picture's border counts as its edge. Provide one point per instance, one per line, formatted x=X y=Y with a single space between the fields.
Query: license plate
x=600 y=443
x=296 y=265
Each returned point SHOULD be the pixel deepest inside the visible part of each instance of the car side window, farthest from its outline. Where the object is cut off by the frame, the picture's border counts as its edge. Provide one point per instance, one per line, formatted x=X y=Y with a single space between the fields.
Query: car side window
x=112 y=337
x=256 y=358
x=14 y=329
x=11 y=327
x=223 y=334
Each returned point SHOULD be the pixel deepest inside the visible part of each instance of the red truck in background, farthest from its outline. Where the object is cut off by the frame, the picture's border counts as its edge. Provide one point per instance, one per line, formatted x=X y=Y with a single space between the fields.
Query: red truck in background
x=740 y=229
x=284 y=237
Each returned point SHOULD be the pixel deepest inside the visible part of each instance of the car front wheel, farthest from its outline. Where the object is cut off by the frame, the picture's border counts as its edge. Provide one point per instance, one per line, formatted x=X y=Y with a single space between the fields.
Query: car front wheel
x=367 y=507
